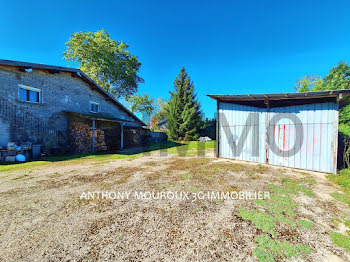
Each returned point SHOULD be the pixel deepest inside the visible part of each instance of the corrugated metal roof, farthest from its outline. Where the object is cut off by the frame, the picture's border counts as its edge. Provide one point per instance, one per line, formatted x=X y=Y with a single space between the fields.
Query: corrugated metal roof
x=86 y=78
x=280 y=96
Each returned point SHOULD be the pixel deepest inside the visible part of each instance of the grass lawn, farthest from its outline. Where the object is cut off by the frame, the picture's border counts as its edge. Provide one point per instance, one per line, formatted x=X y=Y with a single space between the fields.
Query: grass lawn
x=343 y=180
x=183 y=148
x=45 y=218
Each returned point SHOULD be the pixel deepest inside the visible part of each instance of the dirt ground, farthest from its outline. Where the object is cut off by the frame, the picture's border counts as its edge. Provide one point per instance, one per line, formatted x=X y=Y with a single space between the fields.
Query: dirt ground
x=45 y=216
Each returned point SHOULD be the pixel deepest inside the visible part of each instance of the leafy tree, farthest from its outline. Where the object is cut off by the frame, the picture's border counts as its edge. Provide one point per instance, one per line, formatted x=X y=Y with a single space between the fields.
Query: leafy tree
x=162 y=111
x=106 y=61
x=184 y=116
x=143 y=104
x=344 y=120
x=338 y=77
x=308 y=83
x=154 y=123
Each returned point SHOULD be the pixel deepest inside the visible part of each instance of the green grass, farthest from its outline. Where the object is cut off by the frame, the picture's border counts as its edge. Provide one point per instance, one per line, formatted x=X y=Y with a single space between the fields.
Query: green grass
x=340 y=240
x=305 y=223
x=343 y=180
x=71 y=158
x=280 y=208
x=345 y=198
x=262 y=220
x=190 y=148
x=309 y=181
x=347 y=223
x=268 y=249
x=195 y=189
x=292 y=186
x=187 y=176
x=171 y=147
x=279 y=204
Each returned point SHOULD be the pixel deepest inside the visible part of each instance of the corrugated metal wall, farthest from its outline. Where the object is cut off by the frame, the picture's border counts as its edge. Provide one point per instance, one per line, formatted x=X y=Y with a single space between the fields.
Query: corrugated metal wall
x=236 y=122
x=316 y=150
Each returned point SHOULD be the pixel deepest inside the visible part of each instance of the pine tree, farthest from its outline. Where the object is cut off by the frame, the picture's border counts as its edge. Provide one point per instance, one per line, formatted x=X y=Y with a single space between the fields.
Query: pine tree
x=184 y=116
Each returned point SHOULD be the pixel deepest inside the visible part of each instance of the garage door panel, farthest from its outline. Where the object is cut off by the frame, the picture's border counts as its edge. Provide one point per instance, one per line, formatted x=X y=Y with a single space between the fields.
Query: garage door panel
x=316 y=150
x=241 y=124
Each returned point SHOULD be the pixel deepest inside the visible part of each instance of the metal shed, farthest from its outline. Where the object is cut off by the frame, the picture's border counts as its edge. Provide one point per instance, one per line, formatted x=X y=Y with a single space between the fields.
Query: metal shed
x=298 y=130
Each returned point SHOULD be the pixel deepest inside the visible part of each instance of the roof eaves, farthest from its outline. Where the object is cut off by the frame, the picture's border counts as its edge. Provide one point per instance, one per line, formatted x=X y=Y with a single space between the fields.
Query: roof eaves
x=36 y=65
x=73 y=70
x=280 y=96
x=112 y=98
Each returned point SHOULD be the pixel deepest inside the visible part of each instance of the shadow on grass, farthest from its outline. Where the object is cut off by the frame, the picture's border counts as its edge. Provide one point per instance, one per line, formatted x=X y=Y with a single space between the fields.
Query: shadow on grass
x=105 y=154
x=170 y=147
x=149 y=148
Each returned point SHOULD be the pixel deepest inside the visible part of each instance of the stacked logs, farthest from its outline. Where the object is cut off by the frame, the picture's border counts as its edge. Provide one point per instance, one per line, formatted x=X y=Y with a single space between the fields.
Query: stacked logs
x=100 y=144
x=80 y=136
x=112 y=137
x=131 y=137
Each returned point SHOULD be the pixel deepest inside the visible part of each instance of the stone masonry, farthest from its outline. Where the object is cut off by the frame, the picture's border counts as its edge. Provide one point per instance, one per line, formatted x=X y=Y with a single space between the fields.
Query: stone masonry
x=61 y=91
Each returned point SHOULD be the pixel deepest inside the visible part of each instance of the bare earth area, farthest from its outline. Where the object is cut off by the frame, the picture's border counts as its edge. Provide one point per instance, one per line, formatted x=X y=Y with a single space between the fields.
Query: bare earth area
x=45 y=218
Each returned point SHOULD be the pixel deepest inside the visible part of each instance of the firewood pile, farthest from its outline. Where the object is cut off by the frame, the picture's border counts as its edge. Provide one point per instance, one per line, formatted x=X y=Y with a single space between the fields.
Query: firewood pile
x=80 y=135
x=131 y=137
x=112 y=137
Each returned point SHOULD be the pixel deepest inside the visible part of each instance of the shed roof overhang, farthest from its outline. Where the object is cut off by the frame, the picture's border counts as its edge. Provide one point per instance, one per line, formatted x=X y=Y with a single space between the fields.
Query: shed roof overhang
x=283 y=99
x=98 y=117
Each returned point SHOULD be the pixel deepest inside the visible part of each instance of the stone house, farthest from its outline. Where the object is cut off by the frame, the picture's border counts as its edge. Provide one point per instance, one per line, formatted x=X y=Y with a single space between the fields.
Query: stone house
x=62 y=109
x=163 y=125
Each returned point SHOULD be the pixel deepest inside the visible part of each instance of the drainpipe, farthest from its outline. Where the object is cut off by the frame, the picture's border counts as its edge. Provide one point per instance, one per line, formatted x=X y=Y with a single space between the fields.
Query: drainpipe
x=217 y=152
x=93 y=135
x=267 y=133
x=121 y=135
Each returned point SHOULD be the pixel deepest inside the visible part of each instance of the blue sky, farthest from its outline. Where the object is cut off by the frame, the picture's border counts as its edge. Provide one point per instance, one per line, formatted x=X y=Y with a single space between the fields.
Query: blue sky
x=228 y=47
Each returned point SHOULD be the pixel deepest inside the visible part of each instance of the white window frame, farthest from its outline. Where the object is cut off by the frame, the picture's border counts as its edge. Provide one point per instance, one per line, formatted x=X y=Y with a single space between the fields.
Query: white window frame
x=98 y=106
x=34 y=89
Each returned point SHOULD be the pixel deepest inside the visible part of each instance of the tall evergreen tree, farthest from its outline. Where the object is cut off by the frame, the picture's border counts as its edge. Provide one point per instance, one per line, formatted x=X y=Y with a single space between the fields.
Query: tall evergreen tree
x=184 y=116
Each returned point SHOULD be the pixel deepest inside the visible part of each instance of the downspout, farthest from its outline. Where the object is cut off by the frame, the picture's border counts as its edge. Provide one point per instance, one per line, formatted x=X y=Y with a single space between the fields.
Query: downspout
x=93 y=135
x=336 y=135
x=217 y=129
x=121 y=135
x=139 y=137
x=267 y=103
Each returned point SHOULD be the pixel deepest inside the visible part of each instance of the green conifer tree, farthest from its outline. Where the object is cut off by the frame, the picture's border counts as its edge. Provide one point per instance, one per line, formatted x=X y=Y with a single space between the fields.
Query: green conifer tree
x=184 y=116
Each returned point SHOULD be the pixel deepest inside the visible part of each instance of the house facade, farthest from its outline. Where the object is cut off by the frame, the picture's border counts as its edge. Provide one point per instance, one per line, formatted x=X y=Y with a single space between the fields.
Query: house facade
x=61 y=108
x=163 y=125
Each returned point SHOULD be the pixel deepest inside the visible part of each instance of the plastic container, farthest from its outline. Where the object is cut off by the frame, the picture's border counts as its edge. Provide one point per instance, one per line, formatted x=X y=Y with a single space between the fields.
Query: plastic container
x=20 y=158
x=36 y=151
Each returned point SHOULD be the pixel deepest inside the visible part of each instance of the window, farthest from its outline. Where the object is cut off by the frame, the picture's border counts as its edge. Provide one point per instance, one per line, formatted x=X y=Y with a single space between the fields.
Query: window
x=94 y=107
x=29 y=94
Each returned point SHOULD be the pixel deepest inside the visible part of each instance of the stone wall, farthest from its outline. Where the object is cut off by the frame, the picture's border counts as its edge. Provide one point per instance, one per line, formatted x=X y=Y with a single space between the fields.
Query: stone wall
x=132 y=136
x=60 y=92
x=4 y=133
